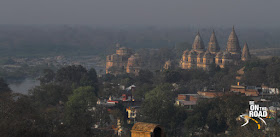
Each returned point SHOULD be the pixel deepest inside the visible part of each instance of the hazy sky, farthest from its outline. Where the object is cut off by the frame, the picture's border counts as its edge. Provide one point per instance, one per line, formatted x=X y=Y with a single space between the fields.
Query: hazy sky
x=257 y=13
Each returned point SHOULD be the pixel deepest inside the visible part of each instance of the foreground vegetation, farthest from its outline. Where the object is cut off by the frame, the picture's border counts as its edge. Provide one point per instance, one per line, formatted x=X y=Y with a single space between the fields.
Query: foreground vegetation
x=65 y=102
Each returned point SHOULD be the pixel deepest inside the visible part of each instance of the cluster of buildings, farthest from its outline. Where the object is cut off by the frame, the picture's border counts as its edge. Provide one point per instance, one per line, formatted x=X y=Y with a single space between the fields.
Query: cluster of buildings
x=126 y=61
x=123 y=61
x=261 y=94
x=264 y=95
x=199 y=57
x=132 y=107
x=126 y=98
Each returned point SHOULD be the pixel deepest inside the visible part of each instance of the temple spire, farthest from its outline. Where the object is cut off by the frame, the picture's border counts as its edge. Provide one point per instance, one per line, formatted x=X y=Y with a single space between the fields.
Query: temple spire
x=198 y=44
x=245 y=53
x=213 y=45
x=233 y=43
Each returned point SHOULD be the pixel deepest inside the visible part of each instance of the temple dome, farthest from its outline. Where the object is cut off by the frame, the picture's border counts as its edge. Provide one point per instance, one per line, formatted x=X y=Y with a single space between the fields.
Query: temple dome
x=198 y=44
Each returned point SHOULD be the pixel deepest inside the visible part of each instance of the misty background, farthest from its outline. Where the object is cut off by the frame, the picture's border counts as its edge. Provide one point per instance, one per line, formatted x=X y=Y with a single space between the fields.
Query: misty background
x=48 y=28
x=201 y=13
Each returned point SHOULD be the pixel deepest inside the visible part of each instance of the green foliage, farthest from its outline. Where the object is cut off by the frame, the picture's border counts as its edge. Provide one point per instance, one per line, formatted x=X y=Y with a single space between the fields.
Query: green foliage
x=108 y=77
x=48 y=76
x=216 y=115
x=77 y=114
x=92 y=75
x=259 y=72
x=170 y=76
x=71 y=74
x=158 y=105
x=142 y=90
x=145 y=76
x=44 y=111
x=20 y=118
x=49 y=94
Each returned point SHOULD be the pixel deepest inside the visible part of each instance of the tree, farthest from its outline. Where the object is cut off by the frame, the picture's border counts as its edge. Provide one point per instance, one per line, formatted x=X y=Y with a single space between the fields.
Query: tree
x=71 y=74
x=21 y=118
x=93 y=75
x=255 y=76
x=108 y=77
x=145 y=76
x=142 y=90
x=216 y=115
x=158 y=105
x=171 y=76
x=49 y=94
x=48 y=76
x=4 y=87
x=77 y=114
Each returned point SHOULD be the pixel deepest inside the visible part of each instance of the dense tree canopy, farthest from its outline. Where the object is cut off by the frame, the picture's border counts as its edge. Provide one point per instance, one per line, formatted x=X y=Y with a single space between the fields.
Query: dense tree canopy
x=216 y=115
x=258 y=72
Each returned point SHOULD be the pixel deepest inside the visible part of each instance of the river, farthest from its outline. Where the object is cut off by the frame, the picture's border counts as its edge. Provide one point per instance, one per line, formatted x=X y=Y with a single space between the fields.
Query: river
x=23 y=86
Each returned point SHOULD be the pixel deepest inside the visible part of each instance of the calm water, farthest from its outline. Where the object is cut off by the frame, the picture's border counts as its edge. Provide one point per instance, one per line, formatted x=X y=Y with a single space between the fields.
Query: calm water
x=23 y=86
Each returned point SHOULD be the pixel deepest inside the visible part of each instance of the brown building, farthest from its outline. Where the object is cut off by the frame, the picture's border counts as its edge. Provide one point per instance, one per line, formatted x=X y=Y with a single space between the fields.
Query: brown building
x=141 y=129
x=247 y=90
x=240 y=73
x=123 y=61
x=199 y=57
x=134 y=64
x=168 y=65
x=210 y=94
x=188 y=101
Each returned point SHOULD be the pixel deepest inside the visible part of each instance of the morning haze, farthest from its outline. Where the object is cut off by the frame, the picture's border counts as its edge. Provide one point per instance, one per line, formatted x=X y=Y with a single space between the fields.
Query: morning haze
x=243 y=13
x=139 y=68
